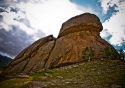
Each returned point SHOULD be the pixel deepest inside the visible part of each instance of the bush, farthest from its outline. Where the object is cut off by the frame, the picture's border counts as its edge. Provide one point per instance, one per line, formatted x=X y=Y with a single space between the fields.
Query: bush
x=88 y=53
x=111 y=53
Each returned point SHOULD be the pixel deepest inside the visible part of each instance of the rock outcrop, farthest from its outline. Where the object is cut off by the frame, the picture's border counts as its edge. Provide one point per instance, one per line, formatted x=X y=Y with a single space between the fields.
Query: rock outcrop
x=75 y=35
x=33 y=58
x=83 y=22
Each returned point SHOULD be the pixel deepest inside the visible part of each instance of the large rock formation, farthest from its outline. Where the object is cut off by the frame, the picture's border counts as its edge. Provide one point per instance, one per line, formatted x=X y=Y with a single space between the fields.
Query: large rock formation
x=75 y=35
x=83 y=22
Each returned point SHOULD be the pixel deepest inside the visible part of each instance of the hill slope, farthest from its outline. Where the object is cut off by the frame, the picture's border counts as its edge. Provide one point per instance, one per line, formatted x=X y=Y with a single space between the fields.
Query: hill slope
x=4 y=61
x=94 y=74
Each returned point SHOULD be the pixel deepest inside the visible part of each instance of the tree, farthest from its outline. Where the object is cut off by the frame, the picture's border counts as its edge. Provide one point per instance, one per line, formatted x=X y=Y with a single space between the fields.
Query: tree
x=88 y=53
x=111 y=53
x=107 y=52
x=122 y=54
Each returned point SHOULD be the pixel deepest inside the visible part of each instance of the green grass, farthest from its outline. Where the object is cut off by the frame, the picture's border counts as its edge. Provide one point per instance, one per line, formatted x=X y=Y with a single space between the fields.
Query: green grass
x=94 y=74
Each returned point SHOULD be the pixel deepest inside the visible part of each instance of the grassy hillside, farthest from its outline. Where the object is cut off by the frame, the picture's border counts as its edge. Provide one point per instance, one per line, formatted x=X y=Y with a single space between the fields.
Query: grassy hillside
x=94 y=74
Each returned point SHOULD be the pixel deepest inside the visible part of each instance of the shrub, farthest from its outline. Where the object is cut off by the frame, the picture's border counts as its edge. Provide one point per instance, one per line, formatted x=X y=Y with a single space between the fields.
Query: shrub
x=88 y=53
x=111 y=53
x=122 y=54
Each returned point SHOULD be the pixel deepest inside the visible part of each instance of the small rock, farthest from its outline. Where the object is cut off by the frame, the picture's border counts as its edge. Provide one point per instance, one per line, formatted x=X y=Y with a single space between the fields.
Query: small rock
x=67 y=82
x=60 y=77
x=45 y=74
x=23 y=75
x=74 y=66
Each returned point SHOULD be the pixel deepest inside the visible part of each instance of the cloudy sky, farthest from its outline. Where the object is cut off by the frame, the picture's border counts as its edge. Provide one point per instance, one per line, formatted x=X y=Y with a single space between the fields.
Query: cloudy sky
x=24 y=21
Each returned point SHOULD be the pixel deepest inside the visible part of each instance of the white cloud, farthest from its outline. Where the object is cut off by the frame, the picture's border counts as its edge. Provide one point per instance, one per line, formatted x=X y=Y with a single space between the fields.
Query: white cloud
x=47 y=16
x=8 y=20
x=105 y=4
x=104 y=33
x=116 y=24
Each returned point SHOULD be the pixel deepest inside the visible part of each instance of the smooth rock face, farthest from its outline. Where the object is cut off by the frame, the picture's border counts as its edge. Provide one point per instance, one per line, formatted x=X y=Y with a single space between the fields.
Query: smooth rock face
x=75 y=35
x=68 y=49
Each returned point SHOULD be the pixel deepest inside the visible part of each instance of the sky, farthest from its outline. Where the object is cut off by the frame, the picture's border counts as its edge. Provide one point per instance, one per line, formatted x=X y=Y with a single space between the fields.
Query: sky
x=22 y=22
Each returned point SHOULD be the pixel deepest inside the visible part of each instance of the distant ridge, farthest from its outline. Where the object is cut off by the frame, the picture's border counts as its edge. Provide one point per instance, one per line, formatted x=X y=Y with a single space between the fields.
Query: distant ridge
x=4 y=60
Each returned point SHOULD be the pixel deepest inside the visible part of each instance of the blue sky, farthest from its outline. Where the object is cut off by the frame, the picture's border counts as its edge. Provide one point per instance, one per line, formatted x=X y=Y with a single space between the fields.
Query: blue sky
x=96 y=6
x=24 y=21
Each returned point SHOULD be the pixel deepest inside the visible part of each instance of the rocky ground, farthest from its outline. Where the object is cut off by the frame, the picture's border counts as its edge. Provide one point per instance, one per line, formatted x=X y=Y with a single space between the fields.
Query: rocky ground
x=93 y=74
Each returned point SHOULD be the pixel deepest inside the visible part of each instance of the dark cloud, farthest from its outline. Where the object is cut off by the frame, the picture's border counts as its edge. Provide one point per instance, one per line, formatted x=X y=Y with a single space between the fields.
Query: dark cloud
x=123 y=41
x=2 y=10
x=18 y=1
x=8 y=2
x=26 y=1
x=26 y=22
x=5 y=3
x=120 y=1
x=14 y=41
x=14 y=10
x=1 y=18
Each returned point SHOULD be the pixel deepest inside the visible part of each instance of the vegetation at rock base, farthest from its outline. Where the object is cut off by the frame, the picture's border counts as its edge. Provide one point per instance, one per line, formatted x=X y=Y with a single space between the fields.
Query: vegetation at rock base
x=93 y=74
x=88 y=53
x=111 y=53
